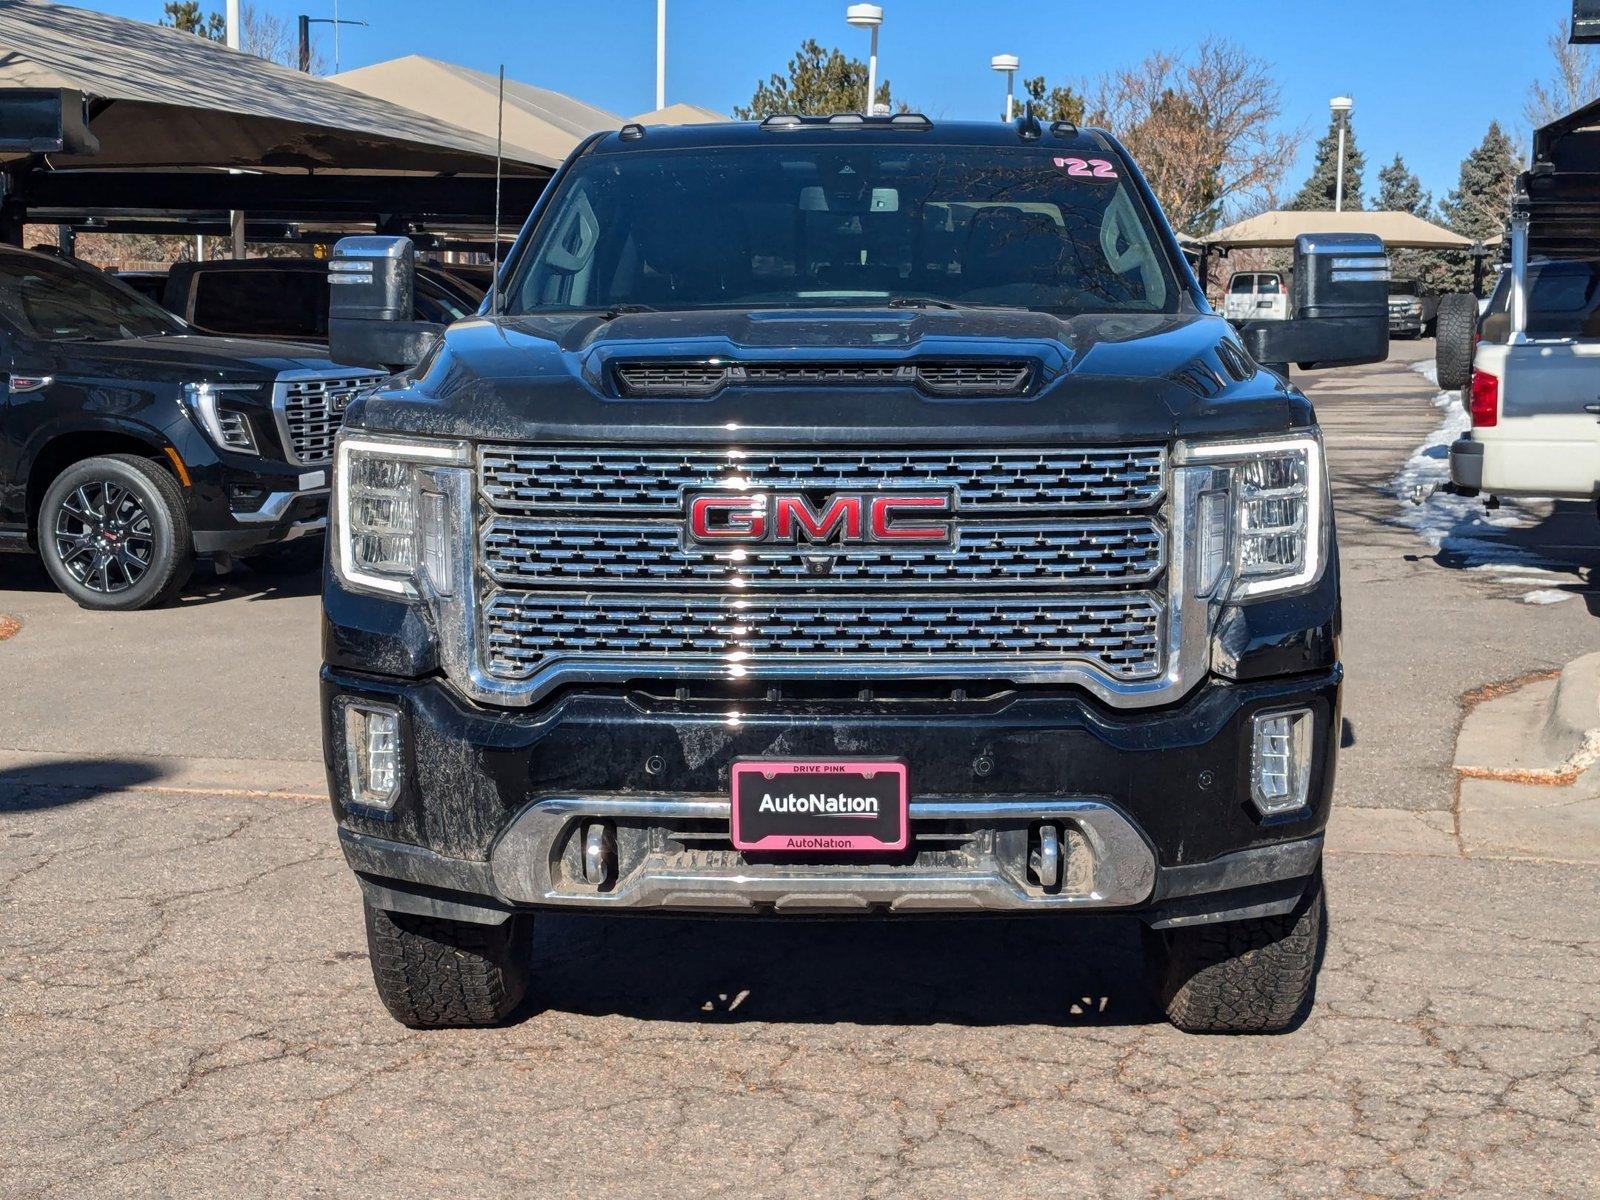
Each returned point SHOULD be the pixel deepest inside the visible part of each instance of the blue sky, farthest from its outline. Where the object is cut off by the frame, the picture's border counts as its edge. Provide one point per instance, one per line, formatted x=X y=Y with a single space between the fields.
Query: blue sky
x=1427 y=75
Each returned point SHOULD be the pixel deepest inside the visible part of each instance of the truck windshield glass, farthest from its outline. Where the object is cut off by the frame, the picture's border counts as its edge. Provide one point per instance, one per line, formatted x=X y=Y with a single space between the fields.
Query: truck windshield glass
x=808 y=226
x=57 y=301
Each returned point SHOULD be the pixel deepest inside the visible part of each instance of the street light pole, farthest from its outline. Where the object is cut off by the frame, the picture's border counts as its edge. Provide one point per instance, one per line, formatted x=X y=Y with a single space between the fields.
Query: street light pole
x=661 y=54
x=868 y=16
x=1007 y=65
x=1341 y=106
x=232 y=33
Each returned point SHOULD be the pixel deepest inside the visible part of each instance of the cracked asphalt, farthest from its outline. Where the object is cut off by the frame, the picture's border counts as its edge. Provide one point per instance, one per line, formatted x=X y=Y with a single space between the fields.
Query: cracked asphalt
x=185 y=1005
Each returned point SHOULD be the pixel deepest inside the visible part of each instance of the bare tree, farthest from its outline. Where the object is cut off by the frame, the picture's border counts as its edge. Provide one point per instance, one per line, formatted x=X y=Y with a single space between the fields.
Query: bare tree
x=272 y=37
x=1574 y=80
x=1205 y=127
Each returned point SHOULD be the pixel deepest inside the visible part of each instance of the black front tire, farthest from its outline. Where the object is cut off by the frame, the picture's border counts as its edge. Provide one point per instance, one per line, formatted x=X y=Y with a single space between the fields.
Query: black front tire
x=438 y=974
x=148 y=551
x=1255 y=976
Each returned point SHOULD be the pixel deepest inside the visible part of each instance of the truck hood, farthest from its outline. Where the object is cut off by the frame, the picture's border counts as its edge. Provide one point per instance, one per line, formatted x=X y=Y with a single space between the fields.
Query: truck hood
x=1106 y=378
x=184 y=358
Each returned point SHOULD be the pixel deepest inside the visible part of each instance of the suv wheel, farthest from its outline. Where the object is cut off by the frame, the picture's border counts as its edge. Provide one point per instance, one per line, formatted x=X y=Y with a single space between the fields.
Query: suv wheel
x=438 y=974
x=1252 y=976
x=114 y=533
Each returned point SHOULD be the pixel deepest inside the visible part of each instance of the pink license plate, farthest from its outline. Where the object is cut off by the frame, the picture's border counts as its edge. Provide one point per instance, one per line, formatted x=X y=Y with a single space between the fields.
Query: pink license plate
x=820 y=806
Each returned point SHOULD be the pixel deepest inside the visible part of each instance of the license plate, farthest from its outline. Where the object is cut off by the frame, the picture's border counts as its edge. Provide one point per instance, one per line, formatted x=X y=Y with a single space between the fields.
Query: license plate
x=823 y=806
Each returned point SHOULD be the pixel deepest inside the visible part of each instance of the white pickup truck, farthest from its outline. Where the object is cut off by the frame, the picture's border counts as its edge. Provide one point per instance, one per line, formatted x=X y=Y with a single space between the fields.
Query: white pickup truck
x=1534 y=393
x=1534 y=399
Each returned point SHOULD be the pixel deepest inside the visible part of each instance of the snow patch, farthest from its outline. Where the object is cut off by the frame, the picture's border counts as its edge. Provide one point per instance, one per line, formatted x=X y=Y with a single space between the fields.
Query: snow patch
x=1457 y=525
x=1547 y=596
x=1428 y=368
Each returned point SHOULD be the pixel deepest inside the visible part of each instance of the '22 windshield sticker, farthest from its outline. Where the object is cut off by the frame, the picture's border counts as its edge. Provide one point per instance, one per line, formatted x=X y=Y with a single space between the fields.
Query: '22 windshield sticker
x=1087 y=168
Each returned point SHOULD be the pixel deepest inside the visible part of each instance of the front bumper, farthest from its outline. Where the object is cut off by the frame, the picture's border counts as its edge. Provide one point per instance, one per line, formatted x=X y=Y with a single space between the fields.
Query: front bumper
x=245 y=509
x=1149 y=810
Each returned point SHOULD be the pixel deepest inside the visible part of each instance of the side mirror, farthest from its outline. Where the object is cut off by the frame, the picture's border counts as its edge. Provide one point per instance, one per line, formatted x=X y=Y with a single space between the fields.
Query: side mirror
x=1338 y=306
x=372 y=305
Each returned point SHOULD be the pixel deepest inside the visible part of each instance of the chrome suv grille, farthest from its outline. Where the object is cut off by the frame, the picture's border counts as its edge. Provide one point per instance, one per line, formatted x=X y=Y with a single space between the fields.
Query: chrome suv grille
x=654 y=481
x=537 y=552
x=1056 y=568
x=1120 y=634
x=310 y=410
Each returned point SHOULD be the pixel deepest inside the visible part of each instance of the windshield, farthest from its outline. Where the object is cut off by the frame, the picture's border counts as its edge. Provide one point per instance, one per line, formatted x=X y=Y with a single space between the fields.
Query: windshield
x=1563 y=301
x=808 y=226
x=56 y=301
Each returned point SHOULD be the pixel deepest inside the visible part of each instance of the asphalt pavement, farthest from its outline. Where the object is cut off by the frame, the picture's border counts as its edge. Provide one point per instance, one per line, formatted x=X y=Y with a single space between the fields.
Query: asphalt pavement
x=186 y=1007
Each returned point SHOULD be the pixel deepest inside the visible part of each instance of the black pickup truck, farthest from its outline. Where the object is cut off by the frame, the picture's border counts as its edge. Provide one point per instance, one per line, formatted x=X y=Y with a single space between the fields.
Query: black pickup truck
x=839 y=516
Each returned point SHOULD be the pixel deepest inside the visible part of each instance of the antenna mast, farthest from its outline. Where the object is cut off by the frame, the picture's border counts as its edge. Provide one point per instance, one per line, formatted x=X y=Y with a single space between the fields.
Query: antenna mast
x=499 y=137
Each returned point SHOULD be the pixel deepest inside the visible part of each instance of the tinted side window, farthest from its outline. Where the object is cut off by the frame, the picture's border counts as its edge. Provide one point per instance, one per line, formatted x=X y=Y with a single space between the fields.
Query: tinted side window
x=291 y=304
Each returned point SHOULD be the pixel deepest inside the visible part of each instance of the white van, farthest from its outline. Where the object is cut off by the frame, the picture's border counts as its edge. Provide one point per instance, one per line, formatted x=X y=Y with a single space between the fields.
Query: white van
x=1256 y=296
x=1535 y=393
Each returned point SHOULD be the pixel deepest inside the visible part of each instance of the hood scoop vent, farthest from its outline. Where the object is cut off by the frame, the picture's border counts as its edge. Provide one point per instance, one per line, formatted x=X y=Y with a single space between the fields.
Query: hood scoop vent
x=699 y=379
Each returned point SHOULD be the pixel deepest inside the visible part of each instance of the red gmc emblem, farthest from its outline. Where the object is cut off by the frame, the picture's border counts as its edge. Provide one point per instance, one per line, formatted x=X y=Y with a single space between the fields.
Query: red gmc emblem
x=840 y=519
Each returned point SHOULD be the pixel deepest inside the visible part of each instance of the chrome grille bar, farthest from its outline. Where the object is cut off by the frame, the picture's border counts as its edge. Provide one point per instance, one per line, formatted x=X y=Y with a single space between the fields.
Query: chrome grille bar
x=1120 y=635
x=534 y=552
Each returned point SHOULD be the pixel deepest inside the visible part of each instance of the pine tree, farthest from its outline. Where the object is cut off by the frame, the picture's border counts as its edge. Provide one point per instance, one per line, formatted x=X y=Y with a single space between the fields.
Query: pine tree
x=1480 y=206
x=185 y=15
x=1054 y=104
x=820 y=82
x=1481 y=203
x=1320 y=191
x=1399 y=190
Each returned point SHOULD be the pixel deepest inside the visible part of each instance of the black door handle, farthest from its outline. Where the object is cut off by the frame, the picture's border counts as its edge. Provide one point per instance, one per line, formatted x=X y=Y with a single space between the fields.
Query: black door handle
x=1592 y=408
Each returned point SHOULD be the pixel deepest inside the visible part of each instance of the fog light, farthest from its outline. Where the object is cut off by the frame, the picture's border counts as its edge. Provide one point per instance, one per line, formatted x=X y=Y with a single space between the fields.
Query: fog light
x=372 y=749
x=1280 y=761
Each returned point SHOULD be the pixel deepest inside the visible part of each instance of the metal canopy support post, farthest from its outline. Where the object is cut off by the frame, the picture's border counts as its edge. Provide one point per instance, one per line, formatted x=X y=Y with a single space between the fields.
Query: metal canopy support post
x=1519 y=275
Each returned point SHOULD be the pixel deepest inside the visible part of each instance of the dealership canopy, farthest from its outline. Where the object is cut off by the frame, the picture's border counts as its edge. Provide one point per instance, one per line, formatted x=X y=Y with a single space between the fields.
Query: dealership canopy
x=1278 y=230
x=540 y=125
x=168 y=112
x=679 y=114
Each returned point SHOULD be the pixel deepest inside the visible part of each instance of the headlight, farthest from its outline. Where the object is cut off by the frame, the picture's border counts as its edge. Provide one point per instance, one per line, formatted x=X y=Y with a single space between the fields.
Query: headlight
x=1279 y=514
x=390 y=517
x=227 y=426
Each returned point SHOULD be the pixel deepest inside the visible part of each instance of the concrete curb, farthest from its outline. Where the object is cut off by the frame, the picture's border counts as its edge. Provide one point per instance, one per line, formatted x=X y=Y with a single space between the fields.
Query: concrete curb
x=1547 y=730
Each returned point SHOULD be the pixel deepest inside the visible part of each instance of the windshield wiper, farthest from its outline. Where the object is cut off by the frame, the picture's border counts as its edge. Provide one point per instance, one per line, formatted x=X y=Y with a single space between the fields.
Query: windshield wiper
x=622 y=310
x=921 y=302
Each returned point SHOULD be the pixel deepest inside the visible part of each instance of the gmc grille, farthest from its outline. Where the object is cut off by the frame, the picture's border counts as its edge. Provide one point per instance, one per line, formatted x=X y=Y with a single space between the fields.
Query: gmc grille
x=1060 y=556
x=310 y=410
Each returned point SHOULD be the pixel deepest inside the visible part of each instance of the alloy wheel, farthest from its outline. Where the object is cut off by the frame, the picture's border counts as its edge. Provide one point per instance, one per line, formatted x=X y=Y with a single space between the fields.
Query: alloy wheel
x=104 y=537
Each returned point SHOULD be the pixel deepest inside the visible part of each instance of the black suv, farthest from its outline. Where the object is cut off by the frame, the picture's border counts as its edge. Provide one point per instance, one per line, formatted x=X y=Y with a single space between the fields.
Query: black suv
x=129 y=443
x=839 y=516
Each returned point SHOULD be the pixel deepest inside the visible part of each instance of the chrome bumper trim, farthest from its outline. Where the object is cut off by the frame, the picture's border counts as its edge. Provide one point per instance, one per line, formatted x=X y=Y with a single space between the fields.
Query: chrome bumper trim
x=1120 y=870
x=274 y=506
